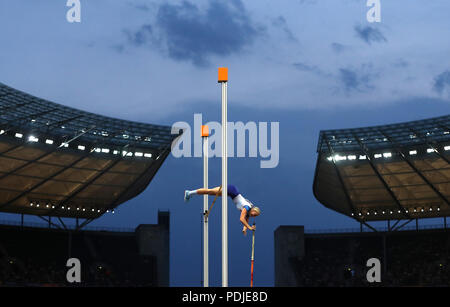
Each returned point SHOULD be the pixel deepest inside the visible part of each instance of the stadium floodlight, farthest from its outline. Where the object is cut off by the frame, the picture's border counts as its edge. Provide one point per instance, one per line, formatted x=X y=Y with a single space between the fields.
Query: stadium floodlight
x=105 y=150
x=48 y=141
x=62 y=207
x=32 y=138
x=377 y=156
x=37 y=205
x=19 y=135
x=31 y=204
x=81 y=147
x=351 y=157
x=97 y=150
x=115 y=152
x=339 y=158
x=148 y=155
x=421 y=210
x=330 y=158
x=438 y=208
x=430 y=150
x=2 y=131
x=362 y=157
x=84 y=209
x=387 y=155
x=445 y=147
x=53 y=207
x=138 y=154
x=64 y=144
x=412 y=152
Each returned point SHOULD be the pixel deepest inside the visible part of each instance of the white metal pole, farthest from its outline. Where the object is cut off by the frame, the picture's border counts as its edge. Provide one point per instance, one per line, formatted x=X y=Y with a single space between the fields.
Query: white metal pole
x=224 y=188
x=205 y=218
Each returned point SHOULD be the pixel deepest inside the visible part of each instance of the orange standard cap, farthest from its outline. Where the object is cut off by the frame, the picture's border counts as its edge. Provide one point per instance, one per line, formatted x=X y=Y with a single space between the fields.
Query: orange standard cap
x=223 y=74
x=205 y=131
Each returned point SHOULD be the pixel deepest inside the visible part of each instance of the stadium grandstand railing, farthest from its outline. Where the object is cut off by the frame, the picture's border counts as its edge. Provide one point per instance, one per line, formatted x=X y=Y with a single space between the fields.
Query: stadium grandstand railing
x=70 y=227
x=380 y=229
x=307 y=231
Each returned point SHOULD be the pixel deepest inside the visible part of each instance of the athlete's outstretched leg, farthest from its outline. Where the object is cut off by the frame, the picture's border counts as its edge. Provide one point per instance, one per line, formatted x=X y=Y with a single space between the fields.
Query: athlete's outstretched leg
x=188 y=194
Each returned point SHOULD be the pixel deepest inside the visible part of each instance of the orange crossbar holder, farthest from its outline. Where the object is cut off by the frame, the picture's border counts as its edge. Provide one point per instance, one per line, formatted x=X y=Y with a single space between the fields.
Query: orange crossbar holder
x=223 y=74
x=205 y=131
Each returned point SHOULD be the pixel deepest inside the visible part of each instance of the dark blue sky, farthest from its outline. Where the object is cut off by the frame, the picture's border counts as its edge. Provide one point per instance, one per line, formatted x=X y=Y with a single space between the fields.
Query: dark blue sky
x=309 y=65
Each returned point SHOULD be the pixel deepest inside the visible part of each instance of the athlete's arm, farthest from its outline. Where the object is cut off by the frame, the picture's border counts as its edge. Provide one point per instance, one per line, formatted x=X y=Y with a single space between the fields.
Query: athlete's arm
x=243 y=219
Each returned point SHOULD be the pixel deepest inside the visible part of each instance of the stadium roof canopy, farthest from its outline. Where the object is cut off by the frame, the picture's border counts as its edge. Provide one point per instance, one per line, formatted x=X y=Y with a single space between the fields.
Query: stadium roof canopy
x=59 y=161
x=399 y=171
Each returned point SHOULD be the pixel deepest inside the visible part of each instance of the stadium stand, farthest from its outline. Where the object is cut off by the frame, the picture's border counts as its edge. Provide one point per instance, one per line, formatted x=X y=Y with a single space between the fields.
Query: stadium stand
x=408 y=258
x=31 y=256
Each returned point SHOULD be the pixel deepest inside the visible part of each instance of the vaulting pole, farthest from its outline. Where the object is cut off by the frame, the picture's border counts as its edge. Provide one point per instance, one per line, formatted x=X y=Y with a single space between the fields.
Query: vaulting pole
x=205 y=134
x=253 y=258
x=223 y=78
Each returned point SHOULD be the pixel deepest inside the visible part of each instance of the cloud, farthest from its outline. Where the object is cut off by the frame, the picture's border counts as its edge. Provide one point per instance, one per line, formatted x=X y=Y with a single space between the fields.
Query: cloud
x=311 y=69
x=401 y=63
x=186 y=33
x=280 y=22
x=141 y=7
x=370 y=34
x=141 y=37
x=442 y=82
x=305 y=67
x=338 y=48
x=358 y=80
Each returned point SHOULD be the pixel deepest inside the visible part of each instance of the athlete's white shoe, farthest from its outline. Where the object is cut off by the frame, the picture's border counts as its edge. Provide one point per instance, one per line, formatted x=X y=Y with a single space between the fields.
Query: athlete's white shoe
x=186 y=195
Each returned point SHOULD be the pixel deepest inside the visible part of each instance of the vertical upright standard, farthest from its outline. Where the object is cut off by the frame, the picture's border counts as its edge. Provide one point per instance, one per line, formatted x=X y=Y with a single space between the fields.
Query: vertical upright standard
x=205 y=134
x=223 y=78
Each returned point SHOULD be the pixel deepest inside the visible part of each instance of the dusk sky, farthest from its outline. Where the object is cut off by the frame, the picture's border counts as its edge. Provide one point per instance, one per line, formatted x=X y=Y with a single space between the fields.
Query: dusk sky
x=310 y=65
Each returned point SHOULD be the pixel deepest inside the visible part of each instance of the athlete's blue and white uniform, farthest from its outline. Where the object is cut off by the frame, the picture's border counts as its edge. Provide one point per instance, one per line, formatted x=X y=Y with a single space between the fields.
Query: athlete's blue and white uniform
x=238 y=199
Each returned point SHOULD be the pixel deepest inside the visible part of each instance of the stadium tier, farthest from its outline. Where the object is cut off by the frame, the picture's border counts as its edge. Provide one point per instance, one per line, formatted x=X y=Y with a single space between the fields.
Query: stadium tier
x=398 y=171
x=59 y=161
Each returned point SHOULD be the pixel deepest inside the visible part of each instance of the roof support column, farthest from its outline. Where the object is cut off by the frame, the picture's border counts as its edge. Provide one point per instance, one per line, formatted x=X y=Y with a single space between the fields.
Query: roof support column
x=377 y=173
x=403 y=156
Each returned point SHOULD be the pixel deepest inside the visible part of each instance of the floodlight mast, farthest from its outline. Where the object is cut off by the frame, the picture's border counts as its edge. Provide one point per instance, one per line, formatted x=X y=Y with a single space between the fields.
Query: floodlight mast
x=223 y=78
